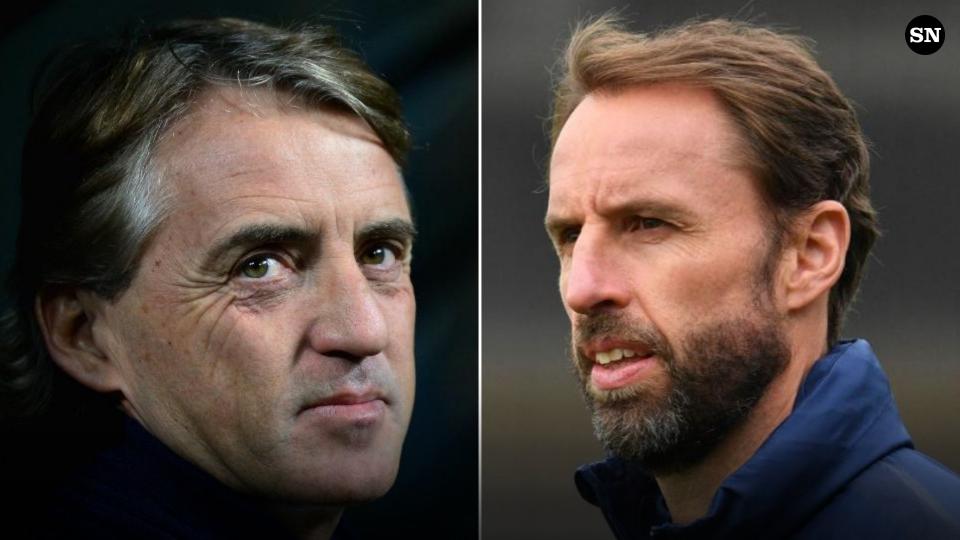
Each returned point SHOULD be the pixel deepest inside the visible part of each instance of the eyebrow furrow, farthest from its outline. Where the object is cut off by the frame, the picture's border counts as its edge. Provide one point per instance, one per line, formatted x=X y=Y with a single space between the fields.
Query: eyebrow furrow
x=255 y=235
x=261 y=234
x=556 y=226
x=393 y=228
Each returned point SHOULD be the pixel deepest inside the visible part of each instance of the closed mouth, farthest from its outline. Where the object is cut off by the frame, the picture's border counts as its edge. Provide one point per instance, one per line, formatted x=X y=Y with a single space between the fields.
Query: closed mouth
x=346 y=399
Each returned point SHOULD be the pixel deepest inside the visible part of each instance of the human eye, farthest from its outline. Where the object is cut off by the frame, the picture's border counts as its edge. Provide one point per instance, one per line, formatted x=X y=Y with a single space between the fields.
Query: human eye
x=260 y=267
x=564 y=236
x=568 y=236
x=260 y=278
x=642 y=223
x=382 y=259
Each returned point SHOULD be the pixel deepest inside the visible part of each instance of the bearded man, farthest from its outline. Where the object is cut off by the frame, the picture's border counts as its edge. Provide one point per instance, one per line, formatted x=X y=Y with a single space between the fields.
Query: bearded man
x=709 y=204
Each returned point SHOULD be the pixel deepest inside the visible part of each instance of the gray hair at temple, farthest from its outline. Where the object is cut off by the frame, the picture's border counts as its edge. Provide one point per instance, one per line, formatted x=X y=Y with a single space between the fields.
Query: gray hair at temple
x=91 y=196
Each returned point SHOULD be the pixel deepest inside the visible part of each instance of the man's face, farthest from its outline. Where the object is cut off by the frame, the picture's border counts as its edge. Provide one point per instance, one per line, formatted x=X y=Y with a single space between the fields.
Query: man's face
x=667 y=265
x=268 y=334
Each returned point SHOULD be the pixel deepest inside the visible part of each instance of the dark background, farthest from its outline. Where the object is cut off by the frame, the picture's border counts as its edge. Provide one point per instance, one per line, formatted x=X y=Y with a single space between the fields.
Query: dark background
x=428 y=51
x=536 y=430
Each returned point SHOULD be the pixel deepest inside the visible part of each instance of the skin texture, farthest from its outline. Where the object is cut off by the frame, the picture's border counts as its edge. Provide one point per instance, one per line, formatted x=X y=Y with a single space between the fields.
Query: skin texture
x=655 y=222
x=664 y=242
x=220 y=355
x=670 y=425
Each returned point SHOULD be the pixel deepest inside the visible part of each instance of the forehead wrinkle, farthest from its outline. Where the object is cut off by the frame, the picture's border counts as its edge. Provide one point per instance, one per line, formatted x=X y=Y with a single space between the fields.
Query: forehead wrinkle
x=253 y=233
x=245 y=152
x=282 y=198
x=643 y=166
x=220 y=215
x=684 y=124
x=658 y=154
x=400 y=227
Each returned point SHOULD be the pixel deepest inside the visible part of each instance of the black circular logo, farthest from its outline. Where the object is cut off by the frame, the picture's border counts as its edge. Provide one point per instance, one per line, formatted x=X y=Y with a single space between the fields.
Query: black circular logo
x=925 y=34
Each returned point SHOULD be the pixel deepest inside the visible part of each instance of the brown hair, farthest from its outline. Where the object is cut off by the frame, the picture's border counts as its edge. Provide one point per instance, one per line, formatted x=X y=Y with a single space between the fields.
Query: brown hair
x=91 y=197
x=804 y=140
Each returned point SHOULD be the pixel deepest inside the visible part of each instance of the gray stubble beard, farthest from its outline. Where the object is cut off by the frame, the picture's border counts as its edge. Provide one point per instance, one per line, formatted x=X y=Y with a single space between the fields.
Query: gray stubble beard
x=724 y=370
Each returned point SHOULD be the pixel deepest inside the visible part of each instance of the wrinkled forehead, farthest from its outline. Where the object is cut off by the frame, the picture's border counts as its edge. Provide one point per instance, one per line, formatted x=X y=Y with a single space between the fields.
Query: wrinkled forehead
x=243 y=127
x=677 y=121
x=218 y=113
x=240 y=151
x=667 y=142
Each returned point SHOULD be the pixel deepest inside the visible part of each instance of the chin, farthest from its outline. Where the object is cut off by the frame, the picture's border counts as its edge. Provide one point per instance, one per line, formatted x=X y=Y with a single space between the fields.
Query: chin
x=339 y=480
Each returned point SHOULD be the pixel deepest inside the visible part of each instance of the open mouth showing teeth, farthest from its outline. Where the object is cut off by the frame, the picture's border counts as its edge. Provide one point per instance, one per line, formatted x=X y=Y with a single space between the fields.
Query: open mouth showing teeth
x=615 y=355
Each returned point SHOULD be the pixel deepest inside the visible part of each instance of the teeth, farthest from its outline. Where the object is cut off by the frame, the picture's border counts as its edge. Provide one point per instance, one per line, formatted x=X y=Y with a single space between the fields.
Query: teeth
x=613 y=355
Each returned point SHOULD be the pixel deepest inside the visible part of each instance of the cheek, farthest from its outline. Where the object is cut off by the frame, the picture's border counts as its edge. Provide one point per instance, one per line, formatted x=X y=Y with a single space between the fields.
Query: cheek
x=170 y=381
x=399 y=309
x=721 y=281
x=404 y=312
x=225 y=367
x=252 y=354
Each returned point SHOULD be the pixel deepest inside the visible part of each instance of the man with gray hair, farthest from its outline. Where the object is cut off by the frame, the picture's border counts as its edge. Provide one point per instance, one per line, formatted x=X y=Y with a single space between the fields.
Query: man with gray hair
x=216 y=241
x=709 y=204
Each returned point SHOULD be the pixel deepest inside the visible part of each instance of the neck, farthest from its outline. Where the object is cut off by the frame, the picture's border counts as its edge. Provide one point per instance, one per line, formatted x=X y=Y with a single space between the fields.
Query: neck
x=309 y=522
x=688 y=493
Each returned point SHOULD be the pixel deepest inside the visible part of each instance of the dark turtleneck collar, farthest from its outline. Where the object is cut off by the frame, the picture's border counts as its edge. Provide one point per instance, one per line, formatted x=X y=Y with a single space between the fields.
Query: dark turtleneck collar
x=139 y=488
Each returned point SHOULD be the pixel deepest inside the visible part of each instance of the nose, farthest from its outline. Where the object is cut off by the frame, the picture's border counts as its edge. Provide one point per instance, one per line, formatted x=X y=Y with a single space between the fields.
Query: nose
x=351 y=323
x=593 y=279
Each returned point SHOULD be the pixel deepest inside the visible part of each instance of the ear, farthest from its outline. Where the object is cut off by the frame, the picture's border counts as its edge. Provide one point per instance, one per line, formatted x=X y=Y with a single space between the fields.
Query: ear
x=820 y=240
x=73 y=324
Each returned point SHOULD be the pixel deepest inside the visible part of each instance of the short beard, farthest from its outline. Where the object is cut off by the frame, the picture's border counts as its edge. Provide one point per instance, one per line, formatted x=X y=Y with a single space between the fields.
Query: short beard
x=724 y=370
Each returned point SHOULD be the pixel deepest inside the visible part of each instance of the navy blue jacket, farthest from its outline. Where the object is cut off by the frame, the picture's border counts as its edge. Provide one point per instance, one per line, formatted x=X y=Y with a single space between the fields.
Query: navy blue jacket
x=840 y=466
x=141 y=489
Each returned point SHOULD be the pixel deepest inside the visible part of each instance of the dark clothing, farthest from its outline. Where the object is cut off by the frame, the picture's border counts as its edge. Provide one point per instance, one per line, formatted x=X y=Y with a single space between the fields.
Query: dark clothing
x=140 y=489
x=840 y=466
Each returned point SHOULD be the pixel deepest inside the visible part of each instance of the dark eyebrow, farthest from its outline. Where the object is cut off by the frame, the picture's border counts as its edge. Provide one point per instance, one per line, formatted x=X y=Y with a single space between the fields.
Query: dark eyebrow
x=255 y=235
x=665 y=210
x=661 y=209
x=400 y=229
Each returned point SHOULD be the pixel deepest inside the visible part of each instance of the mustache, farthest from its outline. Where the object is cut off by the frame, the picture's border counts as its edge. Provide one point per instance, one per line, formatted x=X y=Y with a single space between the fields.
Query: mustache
x=360 y=378
x=617 y=326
